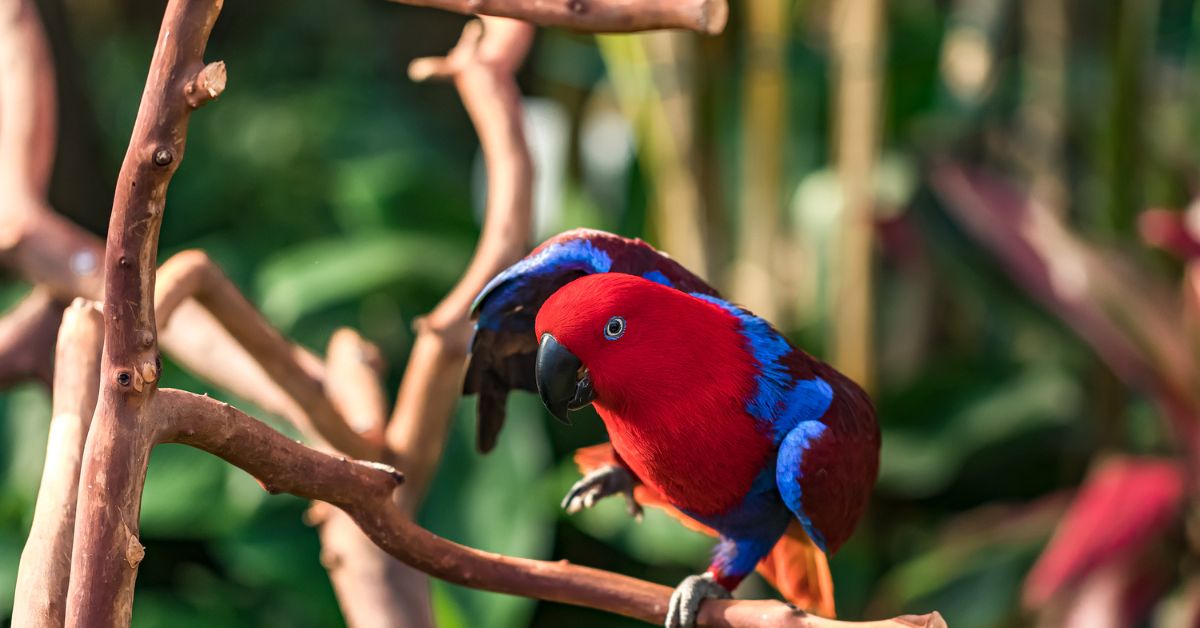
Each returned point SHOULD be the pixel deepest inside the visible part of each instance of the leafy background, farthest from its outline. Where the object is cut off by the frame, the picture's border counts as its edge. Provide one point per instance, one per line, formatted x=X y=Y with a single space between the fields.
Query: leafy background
x=336 y=192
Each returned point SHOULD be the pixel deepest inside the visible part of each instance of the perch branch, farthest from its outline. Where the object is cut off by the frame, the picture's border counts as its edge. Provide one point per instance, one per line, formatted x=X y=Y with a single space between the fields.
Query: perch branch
x=370 y=493
x=482 y=66
x=45 y=568
x=612 y=16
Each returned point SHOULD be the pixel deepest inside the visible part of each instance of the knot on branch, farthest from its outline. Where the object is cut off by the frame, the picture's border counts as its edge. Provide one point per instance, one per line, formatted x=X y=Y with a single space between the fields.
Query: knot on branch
x=134 y=551
x=208 y=83
x=396 y=475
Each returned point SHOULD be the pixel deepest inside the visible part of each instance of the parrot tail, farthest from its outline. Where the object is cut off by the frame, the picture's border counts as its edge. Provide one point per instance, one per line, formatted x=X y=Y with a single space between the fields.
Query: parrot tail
x=796 y=567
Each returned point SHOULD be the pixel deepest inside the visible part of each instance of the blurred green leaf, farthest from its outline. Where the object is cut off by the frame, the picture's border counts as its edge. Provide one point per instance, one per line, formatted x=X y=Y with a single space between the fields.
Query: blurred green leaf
x=495 y=502
x=918 y=462
x=315 y=275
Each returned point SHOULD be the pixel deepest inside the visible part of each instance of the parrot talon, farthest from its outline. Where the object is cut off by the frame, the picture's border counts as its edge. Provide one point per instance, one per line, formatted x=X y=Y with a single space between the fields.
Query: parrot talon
x=684 y=610
x=599 y=484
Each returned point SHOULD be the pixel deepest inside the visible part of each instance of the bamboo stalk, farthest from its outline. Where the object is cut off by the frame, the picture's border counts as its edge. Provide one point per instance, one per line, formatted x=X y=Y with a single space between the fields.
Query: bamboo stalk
x=857 y=30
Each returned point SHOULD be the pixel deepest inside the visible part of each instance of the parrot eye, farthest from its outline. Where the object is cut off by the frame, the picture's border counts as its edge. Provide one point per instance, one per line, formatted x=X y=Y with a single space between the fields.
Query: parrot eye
x=614 y=328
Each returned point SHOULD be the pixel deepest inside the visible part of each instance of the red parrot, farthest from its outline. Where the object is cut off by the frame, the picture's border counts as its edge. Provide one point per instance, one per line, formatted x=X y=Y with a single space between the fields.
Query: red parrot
x=708 y=408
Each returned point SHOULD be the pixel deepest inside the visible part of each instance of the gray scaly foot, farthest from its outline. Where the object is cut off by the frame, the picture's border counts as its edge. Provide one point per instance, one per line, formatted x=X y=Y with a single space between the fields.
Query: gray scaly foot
x=685 y=601
x=599 y=484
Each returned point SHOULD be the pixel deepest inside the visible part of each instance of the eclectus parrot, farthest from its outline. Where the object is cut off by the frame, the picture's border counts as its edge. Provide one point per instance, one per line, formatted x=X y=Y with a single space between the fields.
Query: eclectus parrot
x=708 y=408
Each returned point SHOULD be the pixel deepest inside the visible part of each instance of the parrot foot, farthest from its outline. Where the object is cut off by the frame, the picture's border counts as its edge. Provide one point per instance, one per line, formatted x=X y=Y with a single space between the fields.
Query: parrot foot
x=684 y=610
x=599 y=484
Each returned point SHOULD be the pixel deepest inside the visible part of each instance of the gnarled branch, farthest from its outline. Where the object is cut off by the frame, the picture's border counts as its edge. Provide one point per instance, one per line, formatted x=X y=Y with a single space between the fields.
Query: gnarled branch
x=107 y=551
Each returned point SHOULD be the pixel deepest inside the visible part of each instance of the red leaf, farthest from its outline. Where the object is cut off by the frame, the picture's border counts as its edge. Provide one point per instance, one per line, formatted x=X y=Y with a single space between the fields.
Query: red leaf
x=1124 y=504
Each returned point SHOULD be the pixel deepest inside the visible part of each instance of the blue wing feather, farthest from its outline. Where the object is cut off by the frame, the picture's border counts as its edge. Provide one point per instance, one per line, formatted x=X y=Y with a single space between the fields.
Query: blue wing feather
x=788 y=473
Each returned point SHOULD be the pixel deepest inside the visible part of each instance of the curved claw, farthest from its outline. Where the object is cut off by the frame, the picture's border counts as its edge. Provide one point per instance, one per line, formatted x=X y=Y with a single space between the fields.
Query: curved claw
x=684 y=609
x=599 y=484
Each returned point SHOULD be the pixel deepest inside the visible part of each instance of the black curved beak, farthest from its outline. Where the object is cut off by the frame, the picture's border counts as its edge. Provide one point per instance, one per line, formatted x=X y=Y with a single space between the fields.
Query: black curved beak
x=562 y=380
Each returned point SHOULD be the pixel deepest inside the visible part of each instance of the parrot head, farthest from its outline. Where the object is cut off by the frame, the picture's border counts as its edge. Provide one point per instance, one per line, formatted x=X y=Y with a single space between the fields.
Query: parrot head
x=636 y=347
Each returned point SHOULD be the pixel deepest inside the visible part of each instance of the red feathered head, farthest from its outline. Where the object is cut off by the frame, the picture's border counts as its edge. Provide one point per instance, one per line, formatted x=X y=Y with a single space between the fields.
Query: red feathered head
x=630 y=343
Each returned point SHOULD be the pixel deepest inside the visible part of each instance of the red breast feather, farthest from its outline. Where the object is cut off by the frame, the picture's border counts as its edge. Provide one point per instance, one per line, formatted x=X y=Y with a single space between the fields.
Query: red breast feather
x=671 y=390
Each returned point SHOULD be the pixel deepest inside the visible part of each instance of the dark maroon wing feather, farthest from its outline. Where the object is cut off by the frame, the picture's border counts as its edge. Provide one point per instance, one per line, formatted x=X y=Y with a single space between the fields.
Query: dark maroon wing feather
x=840 y=467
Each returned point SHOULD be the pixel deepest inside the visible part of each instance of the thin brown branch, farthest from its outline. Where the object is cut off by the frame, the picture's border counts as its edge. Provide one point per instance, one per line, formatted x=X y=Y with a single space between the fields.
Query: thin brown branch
x=353 y=368
x=27 y=339
x=49 y=250
x=107 y=550
x=373 y=589
x=482 y=66
x=45 y=568
x=27 y=128
x=370 y=493
x=193 y=274
x=608 y=16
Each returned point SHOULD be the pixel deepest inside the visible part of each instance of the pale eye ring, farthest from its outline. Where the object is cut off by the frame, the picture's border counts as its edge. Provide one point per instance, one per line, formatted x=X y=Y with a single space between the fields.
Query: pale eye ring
x=614 y=328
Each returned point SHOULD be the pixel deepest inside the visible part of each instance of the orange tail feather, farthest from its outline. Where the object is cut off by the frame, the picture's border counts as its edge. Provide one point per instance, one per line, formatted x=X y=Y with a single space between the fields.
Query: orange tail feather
x=796 y=567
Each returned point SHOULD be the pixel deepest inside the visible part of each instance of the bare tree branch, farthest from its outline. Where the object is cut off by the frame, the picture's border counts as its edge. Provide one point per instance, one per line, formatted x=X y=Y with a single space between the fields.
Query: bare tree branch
x=45 y=568
x=107 y=550
x=133 y=415
x=370 y=493
x=373 y=589
x=610 y=16
x=482 y=66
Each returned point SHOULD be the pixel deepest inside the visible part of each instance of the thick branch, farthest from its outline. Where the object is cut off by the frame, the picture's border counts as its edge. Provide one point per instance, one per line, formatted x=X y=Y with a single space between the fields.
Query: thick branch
x=609 y=16
x=45 y=568
x=26 y=339
x=369 y=493
x=107 y=551
x=482 y=66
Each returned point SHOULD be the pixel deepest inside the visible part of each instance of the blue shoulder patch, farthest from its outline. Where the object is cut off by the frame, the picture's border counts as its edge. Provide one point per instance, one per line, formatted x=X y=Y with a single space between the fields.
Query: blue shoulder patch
x=556 y=258
x=778 y=399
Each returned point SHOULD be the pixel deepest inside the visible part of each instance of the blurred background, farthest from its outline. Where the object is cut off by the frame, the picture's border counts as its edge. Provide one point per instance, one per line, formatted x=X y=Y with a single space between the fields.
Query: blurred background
x=977 y=207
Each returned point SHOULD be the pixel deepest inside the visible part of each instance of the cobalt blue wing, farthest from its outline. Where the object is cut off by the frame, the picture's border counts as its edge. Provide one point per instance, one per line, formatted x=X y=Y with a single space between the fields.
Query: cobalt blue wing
x=504 y=347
